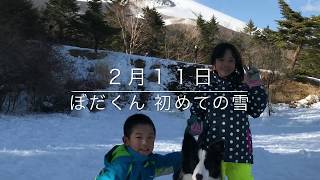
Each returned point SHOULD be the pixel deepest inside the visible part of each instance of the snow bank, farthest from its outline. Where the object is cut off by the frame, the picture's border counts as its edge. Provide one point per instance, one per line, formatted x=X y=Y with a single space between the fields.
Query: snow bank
x=59 y=146
x=306 y=102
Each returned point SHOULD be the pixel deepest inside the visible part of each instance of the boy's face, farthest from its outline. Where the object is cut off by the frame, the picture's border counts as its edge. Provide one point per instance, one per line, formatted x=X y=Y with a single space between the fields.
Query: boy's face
x=141 y=139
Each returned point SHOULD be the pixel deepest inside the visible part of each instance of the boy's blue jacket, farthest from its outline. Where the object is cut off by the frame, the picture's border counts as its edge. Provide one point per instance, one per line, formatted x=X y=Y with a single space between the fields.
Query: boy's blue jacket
x=123 y=163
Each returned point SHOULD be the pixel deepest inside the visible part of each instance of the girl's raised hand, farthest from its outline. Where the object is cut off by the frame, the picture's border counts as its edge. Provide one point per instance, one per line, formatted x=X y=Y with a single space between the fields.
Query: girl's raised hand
x=252 y=76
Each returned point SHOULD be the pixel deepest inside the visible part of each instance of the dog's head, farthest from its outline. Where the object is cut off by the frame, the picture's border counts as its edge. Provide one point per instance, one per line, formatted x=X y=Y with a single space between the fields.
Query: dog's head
x=201 y=163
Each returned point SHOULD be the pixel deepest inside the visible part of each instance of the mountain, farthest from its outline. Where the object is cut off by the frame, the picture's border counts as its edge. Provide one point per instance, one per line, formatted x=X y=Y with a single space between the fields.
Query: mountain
x=156 y=3
x=178 y=12
x=186 y=12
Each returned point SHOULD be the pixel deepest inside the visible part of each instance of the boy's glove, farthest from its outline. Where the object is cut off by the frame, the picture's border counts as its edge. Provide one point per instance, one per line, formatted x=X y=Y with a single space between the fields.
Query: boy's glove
x=194 y=127
x=252 y=76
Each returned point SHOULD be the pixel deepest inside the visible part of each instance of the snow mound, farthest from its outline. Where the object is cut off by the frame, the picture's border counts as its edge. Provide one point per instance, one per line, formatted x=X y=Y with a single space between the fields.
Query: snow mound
x=306 y=102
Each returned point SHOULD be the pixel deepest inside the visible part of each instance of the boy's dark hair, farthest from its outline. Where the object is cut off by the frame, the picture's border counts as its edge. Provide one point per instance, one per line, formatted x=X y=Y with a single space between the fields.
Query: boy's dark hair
x=220 y=50
x=134 y=120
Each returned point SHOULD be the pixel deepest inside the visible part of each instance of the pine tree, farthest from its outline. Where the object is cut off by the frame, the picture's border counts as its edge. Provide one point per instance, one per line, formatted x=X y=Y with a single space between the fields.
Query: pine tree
x=309 y=60
x=250 y=28
x=208 y=31
x=309 y=63
x=93 y=24
x=20 y=17
x=201 y=24
x=60 y=17
x=153 y=31
x=212 y=30
x=315 y=23
x=267 y=35
x=294 y=30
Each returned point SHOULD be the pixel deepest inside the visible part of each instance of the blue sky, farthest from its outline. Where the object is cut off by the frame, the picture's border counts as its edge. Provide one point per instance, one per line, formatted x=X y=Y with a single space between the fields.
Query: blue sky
x=262 y=12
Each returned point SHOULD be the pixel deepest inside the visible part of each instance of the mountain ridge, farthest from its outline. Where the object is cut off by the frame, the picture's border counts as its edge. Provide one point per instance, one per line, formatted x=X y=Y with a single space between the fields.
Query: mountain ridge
x=187 y=11
x=177 y=12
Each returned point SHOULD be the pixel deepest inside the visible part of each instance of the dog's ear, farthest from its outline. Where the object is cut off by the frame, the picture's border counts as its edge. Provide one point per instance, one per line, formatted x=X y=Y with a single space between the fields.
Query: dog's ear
x=189 y=142
x=217 y=146
x=189 y=153
x=214 y=157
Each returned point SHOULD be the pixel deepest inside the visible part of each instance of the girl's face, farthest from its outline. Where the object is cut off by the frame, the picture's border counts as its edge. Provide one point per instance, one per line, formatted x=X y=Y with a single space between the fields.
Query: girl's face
x=225 y=65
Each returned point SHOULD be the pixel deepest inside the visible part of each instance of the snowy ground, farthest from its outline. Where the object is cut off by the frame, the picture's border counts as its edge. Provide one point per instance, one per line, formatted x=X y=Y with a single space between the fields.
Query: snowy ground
x=63 y=147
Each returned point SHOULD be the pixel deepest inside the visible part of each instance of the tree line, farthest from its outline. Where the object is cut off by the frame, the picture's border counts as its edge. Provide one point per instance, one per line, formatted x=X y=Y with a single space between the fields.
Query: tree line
x=27 y=33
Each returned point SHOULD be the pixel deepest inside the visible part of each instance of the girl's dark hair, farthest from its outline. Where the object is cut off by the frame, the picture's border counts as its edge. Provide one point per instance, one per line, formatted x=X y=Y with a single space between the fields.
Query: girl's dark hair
x=220 y=50
x=134 y=120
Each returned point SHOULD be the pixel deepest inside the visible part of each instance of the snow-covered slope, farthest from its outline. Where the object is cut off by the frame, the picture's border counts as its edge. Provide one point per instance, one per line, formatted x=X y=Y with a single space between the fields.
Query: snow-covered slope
x=62 y=147
x=156 y=3
x=186 y=11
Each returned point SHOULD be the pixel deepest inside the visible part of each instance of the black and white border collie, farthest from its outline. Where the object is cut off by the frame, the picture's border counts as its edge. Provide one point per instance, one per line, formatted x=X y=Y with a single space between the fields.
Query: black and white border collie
x=200 y=163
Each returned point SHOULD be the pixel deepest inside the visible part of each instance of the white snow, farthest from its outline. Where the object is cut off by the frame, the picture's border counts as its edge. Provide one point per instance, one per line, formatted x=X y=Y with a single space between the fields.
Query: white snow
x=313 y=80
x=307 y=101
x=59 y=146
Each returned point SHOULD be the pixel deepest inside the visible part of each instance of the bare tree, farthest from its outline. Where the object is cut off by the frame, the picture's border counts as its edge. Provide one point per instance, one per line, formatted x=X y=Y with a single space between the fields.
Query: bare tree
x=135 y=32
x=180 y=43
x=271 y=61
x=122 y=13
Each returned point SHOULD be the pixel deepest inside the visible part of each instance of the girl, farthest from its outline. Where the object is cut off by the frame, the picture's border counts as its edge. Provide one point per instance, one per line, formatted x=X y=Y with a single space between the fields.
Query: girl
x=229 y=124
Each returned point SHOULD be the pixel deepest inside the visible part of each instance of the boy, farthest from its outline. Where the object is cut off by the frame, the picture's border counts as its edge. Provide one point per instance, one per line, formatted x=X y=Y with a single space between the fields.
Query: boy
x=134 y=159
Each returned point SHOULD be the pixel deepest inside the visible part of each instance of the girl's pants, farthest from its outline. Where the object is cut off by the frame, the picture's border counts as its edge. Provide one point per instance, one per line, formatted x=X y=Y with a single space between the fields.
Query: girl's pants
x=236 y=171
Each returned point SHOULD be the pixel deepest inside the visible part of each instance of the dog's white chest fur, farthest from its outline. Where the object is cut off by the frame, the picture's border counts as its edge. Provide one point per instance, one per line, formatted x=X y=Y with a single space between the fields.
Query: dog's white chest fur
x=199 y=163
x=200 y=169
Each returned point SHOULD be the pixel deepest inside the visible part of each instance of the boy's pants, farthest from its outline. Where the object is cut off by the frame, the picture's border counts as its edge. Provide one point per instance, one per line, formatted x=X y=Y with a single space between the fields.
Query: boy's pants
x=236 y=171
